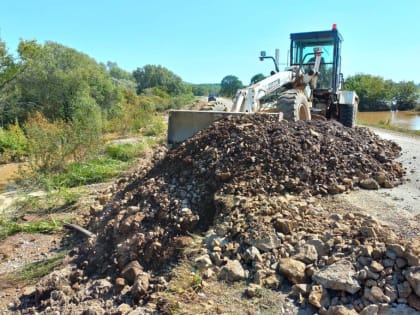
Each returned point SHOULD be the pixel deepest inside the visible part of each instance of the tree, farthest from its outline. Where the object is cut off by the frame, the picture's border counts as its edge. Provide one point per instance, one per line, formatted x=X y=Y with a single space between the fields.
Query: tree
x=8 y=67
x=229 y=85
x=406 y=95
x=151 y=76
x=117 y=72
x=120 y=77
x=257 y=78
x=54 y=76
x=374 y=93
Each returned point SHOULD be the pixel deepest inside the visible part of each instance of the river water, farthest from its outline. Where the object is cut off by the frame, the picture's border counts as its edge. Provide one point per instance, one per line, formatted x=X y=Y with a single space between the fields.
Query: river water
x=407 y=120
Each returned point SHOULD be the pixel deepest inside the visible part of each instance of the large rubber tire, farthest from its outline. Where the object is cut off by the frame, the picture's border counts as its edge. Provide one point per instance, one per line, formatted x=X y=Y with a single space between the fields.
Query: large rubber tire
x=294 y=105
x=348 y=115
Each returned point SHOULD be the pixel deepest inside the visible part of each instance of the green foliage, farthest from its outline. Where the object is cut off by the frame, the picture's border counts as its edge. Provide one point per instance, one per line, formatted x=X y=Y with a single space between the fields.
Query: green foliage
x=156 y=126
x=151 y=76
x=88 y=172
x=13 y=144
x=373 y=91
x=54 y=76
x=8 y=68
x=9 y=227
x=205 y=89
x=123 y=152
x=257 y=78
x=229 y=85
x=120 y=77
x=86 y=127
x=49 y=144
x=376 y=93
x=118 y=73
x=406 y=95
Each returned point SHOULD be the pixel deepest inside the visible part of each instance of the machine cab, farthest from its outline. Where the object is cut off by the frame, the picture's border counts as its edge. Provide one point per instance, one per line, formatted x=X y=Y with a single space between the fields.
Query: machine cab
x=302 y=49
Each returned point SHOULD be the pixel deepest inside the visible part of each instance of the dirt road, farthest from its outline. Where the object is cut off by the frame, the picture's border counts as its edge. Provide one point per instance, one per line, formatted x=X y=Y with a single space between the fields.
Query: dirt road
x=399 y=206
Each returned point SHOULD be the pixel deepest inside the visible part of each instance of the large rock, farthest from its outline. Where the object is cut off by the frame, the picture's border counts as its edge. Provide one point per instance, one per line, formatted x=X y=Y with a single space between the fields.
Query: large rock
x=140 y=286
x=319 y=296
x=131 y=271
x=232 y=271
x=293 y=270
x=369 y=183
x=340 y=275
x=267 y=244
x=307 y=254
x=412 y=275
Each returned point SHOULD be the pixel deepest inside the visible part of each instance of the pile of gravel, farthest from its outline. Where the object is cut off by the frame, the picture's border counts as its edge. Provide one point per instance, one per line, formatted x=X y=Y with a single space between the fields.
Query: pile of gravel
x=254 y=187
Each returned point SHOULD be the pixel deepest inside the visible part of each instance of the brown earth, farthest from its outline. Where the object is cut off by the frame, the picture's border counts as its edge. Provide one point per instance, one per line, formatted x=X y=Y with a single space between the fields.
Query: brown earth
x=313 y=201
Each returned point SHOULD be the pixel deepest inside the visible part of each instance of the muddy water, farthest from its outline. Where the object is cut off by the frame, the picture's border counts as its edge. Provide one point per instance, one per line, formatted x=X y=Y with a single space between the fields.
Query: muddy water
x=8 y=172
x=408 y=120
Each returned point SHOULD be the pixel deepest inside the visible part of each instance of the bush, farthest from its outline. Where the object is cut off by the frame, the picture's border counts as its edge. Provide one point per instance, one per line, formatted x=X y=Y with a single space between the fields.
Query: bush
x=52 y=145
x=155 y=127
x=49 y=144
x=13 y=144
x=86 y=131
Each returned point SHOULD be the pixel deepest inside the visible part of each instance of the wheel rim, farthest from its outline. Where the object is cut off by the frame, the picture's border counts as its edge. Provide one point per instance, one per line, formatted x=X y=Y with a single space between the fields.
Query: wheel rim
x=303 y=113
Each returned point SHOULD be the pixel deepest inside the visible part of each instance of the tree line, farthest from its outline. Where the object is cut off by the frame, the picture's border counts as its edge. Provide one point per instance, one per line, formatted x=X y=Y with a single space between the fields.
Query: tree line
x=375 y=93
x=56 y=102
x=63 y=84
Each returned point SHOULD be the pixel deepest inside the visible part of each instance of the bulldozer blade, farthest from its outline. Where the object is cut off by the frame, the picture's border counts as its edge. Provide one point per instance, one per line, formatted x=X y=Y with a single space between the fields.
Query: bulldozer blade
x=183 y=124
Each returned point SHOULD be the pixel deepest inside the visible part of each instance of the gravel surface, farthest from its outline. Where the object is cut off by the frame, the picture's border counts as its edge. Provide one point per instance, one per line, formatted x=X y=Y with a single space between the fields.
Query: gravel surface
x=399 y=206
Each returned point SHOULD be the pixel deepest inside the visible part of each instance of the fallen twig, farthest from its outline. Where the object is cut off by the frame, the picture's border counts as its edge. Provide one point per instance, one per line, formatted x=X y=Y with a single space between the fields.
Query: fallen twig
x=80 y=229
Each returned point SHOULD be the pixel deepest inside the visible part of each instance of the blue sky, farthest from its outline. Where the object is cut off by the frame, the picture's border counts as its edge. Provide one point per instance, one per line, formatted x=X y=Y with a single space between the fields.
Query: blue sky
x=203 y=41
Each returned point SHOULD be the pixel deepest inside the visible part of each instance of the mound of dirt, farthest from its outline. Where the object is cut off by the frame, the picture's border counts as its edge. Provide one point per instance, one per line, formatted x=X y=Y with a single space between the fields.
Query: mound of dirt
x=254 y=187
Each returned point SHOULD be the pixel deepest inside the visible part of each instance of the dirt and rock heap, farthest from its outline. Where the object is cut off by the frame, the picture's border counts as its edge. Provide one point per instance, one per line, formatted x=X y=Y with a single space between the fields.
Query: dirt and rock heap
x=254 y=188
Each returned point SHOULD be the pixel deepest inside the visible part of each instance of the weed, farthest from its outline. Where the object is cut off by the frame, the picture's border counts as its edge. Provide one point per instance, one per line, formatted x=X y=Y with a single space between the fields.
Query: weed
x=89 y=172
x=123 y=152
x=13 y=144
x=9 y=227
x=34 y=271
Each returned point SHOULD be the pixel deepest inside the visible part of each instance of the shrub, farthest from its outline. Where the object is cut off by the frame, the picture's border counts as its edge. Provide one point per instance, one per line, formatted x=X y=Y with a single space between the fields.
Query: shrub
x=49 y=144
x=155 y=127
x=13 y=144
x=86 y=127
x=52 y=145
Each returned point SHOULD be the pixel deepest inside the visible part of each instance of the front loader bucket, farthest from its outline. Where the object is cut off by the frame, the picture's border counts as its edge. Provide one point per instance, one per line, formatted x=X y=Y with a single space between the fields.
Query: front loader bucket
x=183 y=124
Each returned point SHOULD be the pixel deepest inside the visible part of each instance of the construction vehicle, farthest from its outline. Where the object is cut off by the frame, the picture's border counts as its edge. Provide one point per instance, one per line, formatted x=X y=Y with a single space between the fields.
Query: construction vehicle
x=310 y=87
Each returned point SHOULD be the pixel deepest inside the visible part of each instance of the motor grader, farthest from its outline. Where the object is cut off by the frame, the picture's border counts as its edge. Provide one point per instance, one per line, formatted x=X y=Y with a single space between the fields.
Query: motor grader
x=310 y=87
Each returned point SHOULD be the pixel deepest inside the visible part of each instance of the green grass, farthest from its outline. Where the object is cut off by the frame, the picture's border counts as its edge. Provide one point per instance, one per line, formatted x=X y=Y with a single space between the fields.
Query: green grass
x=88 y=172
x=34 y=271
x=9 y=227
x=124 y=152
x=116 y=159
